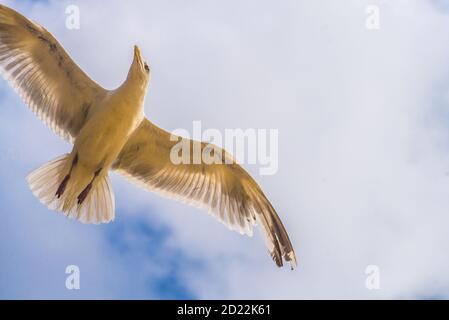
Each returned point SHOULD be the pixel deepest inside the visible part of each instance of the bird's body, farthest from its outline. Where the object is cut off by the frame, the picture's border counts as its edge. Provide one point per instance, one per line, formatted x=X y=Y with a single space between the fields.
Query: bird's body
x=109 y=132
x=107 y=129
x=102 y=138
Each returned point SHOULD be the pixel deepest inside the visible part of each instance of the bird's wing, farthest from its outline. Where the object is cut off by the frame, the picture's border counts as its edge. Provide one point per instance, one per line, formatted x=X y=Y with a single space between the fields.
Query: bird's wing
x=44 y=75
x=226 y=190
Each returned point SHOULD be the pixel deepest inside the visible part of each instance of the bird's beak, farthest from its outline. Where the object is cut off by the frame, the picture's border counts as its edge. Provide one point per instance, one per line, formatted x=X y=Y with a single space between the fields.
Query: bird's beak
x=137 y=55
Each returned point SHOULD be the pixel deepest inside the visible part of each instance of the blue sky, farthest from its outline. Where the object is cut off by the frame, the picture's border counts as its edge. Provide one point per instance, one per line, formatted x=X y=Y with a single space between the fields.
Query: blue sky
x=363 y=165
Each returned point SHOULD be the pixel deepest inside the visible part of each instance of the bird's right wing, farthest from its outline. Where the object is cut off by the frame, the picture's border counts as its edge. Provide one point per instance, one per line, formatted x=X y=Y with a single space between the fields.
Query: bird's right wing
x=44 y=75
x=223 y=188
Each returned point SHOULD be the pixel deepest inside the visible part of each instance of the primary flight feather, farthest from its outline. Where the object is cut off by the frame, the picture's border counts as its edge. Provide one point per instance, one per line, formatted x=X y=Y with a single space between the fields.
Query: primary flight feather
x=109 y=131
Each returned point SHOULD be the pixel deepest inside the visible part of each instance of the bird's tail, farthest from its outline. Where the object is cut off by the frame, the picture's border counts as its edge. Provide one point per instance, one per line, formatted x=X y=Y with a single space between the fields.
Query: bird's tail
x=58 y=184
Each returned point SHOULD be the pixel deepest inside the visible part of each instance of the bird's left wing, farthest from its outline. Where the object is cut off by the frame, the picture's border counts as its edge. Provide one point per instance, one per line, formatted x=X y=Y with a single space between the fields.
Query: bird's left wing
x=44 y=75
x=223 y=188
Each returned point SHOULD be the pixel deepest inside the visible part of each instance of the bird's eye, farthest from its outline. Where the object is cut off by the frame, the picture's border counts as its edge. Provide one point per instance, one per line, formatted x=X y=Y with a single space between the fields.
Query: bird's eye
x=147 y=68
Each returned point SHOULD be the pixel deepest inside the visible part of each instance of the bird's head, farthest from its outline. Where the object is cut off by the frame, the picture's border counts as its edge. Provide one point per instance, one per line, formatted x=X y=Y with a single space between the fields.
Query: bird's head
x=140 y=70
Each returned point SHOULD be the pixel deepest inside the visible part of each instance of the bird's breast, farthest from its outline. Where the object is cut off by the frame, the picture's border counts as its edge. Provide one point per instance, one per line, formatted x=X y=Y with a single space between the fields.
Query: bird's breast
x=106 y=132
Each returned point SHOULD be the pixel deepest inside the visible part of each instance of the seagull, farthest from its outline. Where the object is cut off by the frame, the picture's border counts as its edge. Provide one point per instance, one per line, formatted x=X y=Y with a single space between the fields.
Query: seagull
x=109 y=132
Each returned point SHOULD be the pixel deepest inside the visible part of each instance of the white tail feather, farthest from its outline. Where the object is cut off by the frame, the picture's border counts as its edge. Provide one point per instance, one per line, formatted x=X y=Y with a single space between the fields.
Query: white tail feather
x=98 y=207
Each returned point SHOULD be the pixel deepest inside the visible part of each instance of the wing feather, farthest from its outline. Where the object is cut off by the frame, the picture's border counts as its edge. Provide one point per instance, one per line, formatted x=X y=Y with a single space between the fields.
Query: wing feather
x=44 y=75
x=226 y=190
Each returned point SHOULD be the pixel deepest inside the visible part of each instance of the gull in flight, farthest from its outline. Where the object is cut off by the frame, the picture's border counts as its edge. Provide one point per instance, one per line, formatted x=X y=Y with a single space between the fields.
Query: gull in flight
x=109 y=132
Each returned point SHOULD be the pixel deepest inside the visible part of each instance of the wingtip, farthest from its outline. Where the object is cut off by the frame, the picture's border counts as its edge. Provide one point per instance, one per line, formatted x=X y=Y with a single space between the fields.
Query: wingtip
x=288 y=257
x=291 y=259
x=293 y=264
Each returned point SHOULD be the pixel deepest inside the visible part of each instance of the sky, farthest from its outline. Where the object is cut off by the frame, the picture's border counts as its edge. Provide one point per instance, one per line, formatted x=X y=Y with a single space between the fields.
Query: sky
x=363 y=175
